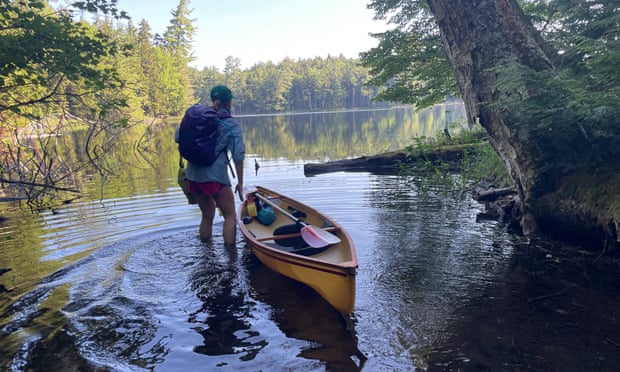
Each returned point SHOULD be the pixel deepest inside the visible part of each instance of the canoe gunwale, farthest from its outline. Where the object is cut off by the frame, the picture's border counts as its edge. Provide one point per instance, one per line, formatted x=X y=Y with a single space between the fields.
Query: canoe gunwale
x=344 y=269
x=258 y=243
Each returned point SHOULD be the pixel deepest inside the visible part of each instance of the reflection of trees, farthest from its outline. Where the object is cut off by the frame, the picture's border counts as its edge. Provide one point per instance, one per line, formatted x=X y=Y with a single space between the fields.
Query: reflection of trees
x=295 y=137
x=436 y=255
x=40 y=167
x=343 y=134
x=145 y=158
x=21 y=243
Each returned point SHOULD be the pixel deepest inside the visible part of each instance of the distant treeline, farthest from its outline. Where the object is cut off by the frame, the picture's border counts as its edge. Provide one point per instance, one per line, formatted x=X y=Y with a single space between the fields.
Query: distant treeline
x=302 y=85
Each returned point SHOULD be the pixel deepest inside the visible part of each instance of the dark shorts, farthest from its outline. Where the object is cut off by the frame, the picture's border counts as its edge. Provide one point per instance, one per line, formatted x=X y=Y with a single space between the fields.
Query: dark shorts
x=207 y=188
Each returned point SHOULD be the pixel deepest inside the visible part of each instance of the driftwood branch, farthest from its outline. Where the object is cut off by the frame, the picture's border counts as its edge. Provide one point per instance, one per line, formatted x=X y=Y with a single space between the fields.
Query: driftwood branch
x=494 y=194
x=34 y=184
x=612 y=342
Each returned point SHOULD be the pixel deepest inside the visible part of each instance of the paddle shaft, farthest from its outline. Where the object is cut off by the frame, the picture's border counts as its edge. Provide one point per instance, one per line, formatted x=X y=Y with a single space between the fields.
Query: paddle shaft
x=316 y=238
x=280 y=209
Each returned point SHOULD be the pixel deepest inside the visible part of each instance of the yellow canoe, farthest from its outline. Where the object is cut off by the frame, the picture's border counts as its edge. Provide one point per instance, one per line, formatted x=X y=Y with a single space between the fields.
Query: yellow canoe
x=329 y=270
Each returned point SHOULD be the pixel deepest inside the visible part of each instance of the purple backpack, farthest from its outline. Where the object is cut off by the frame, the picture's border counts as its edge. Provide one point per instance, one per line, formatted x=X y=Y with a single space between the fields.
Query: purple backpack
x=198 y=134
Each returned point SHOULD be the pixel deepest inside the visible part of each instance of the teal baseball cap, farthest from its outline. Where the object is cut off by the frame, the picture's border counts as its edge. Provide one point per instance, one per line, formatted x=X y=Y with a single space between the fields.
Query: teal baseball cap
x=221 y=93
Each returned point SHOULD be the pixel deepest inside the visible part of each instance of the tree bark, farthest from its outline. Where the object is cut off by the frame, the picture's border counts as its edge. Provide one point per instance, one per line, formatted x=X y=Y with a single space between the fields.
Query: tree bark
x=482 y=37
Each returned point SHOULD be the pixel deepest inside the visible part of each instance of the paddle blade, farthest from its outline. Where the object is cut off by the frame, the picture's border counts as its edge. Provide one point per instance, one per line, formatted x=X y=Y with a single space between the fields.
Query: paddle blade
x=318 y=238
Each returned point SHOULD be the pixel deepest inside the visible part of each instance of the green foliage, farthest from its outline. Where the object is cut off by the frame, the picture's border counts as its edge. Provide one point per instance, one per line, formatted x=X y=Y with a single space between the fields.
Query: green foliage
x=409 y=63
x=39 y=56
x=572 y=111
x=58 y=73
x=575 y=126
x=423 y=162
x=203 y=80
x=483 y=165
x=480 y=162
x=586 y=35
x=100 y=6
x=148 y=73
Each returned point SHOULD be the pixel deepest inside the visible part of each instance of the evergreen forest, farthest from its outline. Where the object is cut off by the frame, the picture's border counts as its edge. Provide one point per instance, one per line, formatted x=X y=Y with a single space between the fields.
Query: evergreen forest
x=89 y=66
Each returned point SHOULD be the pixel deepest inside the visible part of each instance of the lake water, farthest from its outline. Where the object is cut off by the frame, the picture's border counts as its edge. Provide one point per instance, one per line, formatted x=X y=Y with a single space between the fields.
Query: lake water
x=119 y=280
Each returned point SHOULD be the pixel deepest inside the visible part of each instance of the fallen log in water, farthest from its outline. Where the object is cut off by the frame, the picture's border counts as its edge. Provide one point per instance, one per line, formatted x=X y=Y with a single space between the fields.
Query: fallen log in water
x=379 y=164
x=389 y=163
x=501 y=204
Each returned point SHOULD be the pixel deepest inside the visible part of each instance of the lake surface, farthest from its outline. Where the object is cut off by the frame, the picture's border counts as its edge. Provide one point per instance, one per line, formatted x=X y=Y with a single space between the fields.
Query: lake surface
x=118 y=280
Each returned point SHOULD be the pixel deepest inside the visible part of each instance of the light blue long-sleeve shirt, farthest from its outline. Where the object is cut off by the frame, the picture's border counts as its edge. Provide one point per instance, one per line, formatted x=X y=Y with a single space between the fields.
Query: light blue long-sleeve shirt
x=230 y=140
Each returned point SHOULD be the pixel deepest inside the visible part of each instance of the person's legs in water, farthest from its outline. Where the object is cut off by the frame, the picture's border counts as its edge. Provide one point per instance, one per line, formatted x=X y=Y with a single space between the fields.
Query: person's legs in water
x=225 y=199
x=207 y=209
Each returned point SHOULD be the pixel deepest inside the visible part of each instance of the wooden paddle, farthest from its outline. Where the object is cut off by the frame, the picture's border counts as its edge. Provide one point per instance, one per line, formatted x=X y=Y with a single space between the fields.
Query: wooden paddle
x=315 y=237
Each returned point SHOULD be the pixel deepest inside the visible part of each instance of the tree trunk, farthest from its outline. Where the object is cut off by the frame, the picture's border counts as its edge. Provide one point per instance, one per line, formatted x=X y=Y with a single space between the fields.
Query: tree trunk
x=487 y=43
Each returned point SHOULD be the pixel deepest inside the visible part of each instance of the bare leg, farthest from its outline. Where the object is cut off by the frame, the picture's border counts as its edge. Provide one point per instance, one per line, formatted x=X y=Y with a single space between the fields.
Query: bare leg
x=225 y=199
x=207 y=209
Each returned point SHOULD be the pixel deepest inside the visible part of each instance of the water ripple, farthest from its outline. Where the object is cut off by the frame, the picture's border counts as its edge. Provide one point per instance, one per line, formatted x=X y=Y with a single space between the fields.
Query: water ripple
x=138 y=289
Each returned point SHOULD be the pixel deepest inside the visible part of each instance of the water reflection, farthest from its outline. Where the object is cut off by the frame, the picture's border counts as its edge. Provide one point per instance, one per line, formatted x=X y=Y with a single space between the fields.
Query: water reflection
x=428 y=257
x=222 y=319
x=436 y=291
x=304 y=315
x=233 y=291
x=345 y=134
x=121 y=281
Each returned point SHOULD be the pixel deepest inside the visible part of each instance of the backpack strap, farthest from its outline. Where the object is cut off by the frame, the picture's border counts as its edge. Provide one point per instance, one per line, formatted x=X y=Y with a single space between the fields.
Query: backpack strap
x=225 y=149
x=176 y=138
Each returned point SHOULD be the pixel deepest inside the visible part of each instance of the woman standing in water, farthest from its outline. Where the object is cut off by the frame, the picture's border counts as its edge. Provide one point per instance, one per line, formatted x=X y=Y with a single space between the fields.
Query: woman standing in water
x=211 y=185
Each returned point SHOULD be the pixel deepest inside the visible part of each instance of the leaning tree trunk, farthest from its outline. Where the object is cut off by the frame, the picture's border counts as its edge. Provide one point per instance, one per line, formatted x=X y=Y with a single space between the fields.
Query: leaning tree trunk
x=493 y=50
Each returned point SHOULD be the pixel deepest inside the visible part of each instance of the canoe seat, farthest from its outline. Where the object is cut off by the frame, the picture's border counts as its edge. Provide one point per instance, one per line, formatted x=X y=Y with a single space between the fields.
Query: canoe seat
x=297 y=246
x=304 y=251
x=286 y=236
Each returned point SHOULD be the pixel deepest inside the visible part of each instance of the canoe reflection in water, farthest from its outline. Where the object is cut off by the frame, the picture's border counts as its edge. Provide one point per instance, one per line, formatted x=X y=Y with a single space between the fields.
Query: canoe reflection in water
x=303 y=314
x=234 y=287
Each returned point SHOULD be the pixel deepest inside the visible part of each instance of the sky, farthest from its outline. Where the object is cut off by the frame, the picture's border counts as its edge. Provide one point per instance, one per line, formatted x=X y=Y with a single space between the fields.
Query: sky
x=266 y=30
